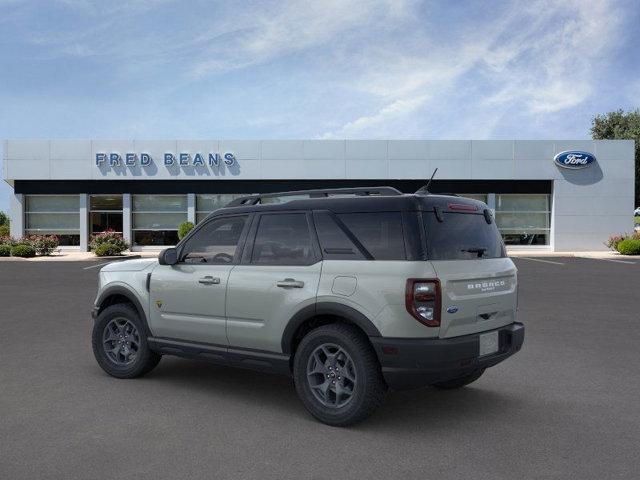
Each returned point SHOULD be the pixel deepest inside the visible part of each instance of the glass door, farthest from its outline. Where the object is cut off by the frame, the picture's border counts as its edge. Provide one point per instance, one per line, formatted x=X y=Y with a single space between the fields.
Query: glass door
x=105 y=213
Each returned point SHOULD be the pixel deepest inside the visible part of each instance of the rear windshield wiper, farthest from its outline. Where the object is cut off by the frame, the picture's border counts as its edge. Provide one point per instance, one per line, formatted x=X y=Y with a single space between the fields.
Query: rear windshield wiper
x=479 y=251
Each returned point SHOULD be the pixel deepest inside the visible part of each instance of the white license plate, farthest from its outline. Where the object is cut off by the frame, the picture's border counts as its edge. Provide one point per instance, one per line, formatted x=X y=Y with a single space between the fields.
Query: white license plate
x=489 y=343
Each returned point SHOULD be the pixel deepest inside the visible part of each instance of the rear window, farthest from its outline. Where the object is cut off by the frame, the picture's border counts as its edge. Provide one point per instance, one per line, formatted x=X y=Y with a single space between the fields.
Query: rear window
x=462 y=236
x=380 y=233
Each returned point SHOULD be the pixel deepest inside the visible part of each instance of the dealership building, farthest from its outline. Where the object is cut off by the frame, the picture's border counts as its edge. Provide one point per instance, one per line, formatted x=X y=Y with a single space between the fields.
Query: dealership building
x=554 y=195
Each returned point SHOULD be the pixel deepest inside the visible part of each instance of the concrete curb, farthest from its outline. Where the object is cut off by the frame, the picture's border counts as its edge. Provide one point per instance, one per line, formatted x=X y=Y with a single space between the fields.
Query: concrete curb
x=596 y=255
x=75 y=257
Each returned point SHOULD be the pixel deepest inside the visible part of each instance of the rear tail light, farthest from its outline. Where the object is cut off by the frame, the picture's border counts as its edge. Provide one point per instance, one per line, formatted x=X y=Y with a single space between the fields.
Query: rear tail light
x=422 y=299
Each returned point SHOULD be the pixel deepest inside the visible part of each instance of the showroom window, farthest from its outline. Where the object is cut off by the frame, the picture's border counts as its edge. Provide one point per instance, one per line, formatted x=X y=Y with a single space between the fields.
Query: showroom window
x=105 y=213
x=156 y=219
x=54 y=215
x=205 y=204
x=524 y=219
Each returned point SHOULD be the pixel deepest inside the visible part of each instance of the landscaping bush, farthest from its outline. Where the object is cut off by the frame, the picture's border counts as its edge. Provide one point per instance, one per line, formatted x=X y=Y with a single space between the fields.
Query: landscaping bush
x=613 y=241
x=184 y=228
x=23 y=250
x=4 y=231
x=44 y=244
x=629 y=246
x=108 y=237
x=5 y=250
x=108 y=250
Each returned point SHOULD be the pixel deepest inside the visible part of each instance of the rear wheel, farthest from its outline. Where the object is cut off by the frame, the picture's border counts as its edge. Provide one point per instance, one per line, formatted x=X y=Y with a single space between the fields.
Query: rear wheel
x=120 y=343
x=337 y=375
x=460 y=381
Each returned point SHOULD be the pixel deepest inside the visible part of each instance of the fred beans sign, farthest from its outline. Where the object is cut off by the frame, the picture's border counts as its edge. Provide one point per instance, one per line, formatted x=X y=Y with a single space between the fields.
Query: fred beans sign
x=169 y=159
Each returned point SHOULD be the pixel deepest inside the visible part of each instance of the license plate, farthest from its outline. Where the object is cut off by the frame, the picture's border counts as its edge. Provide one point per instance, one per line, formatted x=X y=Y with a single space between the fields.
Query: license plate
x=489 y=343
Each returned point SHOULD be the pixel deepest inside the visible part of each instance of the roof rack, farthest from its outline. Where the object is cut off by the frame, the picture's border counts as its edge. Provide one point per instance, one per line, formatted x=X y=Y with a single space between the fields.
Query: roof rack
x=319 y=193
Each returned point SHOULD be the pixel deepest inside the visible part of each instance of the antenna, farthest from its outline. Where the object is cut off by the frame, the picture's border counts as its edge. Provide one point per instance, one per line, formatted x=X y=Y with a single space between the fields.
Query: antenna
x=425 y=190
x=430 y=180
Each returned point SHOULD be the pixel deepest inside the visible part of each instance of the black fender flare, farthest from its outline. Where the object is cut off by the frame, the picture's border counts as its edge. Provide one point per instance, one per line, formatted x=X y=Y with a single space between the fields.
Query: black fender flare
x=129 y=295
x=326 y=308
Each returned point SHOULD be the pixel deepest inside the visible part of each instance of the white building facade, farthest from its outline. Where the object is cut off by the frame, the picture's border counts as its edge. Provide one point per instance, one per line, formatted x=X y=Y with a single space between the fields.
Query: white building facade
x=552 y=195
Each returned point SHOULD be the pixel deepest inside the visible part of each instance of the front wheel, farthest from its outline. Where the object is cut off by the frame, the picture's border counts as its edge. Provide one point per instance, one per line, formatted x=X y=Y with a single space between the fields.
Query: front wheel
x=120 y=343
x=337 y=375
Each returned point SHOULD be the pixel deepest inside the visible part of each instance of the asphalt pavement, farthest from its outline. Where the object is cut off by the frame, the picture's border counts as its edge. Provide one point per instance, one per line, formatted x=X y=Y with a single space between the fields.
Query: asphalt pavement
x=566 y=406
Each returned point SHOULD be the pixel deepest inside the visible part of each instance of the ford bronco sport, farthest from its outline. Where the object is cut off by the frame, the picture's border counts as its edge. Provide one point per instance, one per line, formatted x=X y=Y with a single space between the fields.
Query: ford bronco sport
x=349 y=291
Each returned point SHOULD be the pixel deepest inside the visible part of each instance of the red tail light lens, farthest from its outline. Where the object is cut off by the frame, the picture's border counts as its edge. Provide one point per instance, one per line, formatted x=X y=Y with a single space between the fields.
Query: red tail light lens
x=422 y=299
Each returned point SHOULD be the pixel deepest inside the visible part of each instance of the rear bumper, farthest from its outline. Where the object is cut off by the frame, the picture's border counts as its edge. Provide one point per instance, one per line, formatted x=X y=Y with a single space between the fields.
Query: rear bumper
x=416 y=362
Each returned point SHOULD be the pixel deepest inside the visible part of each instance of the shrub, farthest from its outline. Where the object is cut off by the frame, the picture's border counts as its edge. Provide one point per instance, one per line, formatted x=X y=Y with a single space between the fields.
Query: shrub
x=108 y=237
x=23 y=250
x=5 y=250
x=4 y=231
x=4 y=219
x=44 y=244
x=613 y=241
x=630 y=246
x=108 y=250
x=184 y=228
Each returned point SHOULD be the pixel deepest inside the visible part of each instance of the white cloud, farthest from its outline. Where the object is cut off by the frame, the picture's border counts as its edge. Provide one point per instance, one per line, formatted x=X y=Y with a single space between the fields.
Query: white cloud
x=293 y=26
x=541 y=57
x=390 y=64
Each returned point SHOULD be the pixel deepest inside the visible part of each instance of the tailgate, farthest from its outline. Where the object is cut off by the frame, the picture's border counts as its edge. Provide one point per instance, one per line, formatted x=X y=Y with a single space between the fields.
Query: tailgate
x=477 y=295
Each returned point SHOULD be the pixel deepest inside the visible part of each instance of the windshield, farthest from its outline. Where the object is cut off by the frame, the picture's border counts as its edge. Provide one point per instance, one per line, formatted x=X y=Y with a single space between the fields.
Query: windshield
x=462 y=236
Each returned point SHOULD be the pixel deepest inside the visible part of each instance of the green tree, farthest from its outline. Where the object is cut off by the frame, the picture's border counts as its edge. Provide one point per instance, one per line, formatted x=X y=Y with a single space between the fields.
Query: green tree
x=620 y=125
x=4 y=225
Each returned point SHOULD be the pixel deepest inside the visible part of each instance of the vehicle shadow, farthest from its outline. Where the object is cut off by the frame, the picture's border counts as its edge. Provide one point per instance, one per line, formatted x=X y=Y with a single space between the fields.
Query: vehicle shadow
x=402 y=411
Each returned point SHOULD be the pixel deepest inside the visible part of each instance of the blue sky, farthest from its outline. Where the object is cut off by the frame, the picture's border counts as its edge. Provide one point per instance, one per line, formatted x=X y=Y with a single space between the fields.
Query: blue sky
x=322 y=69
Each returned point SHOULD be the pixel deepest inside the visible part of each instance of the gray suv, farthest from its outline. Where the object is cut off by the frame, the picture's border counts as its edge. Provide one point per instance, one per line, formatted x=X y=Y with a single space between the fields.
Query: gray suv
x=351 y=292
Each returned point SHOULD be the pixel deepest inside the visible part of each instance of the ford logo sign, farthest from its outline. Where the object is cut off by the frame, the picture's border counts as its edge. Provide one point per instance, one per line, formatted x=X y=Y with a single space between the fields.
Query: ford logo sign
x=452 y=309
x=574 y=159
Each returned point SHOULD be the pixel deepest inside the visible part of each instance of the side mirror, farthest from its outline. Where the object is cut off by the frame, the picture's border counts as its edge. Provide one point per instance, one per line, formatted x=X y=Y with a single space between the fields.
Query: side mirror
x=168 y=256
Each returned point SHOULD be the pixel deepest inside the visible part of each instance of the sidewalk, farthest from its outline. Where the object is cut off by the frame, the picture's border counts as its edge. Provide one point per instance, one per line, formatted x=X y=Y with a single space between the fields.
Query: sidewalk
x=606 y=254
x=76 y=256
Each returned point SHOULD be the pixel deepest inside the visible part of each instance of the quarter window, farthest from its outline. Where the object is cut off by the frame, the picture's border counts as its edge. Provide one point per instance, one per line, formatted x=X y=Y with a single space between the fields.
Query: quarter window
x=334 y=242
x=380 y=233
x=283 y=239
x=216 y=242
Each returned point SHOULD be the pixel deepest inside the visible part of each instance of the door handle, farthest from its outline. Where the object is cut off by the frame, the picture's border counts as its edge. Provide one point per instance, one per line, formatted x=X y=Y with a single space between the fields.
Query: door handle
x=290 y=283
x=209 y=280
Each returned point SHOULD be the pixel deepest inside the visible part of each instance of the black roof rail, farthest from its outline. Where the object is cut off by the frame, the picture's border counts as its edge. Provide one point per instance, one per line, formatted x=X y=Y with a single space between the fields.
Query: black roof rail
x=319 y=193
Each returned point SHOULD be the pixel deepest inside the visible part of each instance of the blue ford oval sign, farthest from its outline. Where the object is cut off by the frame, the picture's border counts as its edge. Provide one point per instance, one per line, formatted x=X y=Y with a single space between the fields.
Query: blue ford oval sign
x=574 y=159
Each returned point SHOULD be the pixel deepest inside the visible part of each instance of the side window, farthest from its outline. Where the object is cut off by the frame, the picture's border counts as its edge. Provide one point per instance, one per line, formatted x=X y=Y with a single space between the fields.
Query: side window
x=380 y=233
x=216 y=242
x=335 y=244
x=283 y=239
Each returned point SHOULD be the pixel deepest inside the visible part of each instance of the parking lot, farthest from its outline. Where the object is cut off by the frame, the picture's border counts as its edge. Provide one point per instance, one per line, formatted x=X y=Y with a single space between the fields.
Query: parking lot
x=566 y=406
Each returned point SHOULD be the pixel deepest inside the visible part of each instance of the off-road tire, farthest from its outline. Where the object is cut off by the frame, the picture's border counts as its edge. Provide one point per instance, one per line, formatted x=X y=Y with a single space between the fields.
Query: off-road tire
x=369 y=389
x=460 y=381
x=145 y=359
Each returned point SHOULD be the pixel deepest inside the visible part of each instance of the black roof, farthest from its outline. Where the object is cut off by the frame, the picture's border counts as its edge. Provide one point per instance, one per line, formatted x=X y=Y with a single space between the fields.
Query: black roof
x=360 y=203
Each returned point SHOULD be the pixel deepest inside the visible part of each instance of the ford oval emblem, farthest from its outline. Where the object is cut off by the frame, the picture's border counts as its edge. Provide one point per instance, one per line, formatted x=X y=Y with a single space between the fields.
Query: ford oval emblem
x=574 y=159
x=453 y=309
